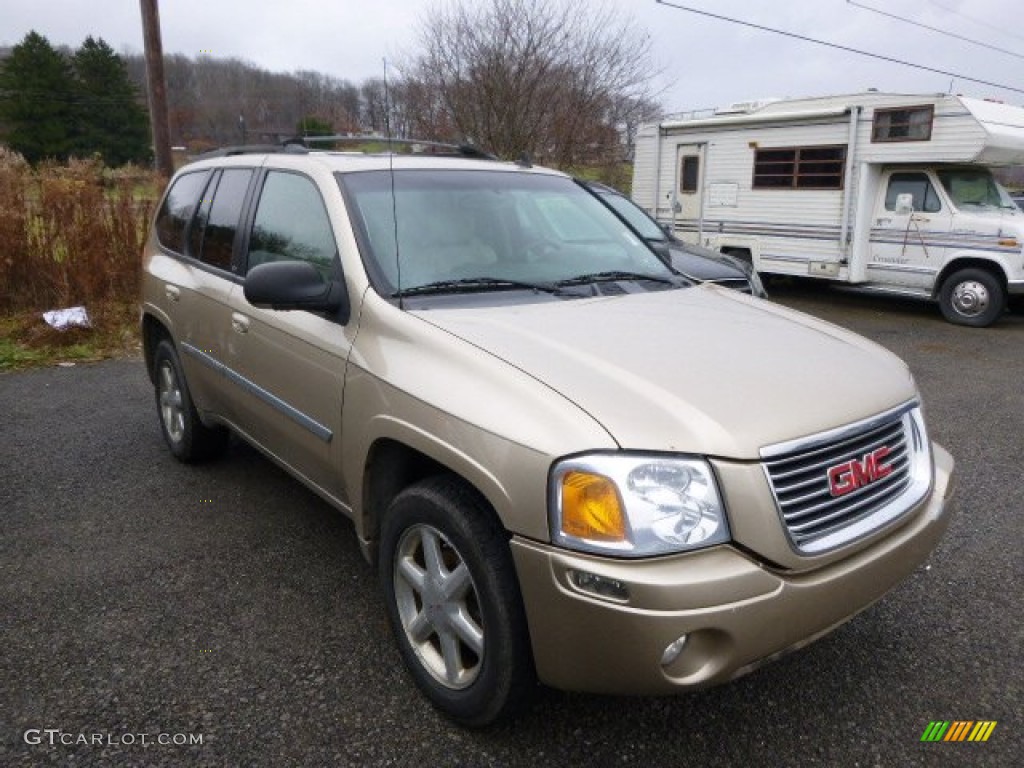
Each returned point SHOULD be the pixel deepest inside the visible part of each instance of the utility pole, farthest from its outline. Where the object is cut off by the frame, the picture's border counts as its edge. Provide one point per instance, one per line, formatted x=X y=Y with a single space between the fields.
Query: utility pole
x=157 y=88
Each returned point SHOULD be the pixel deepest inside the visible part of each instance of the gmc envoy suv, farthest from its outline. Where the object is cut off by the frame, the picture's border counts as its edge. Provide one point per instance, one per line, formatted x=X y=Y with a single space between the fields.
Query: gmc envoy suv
x=569 y=463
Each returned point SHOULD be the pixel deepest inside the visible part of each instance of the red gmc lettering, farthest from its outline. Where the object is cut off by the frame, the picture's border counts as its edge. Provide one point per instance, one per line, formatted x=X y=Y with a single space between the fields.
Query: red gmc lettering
x=851 y=475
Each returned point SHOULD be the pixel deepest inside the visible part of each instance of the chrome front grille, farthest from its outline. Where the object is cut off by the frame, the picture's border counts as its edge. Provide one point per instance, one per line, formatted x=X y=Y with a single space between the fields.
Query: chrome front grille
x=833 y=488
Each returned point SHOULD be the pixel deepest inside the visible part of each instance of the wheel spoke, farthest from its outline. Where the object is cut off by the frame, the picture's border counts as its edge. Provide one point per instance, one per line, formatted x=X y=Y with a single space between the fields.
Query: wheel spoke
x=468 y=631
x=412 y=573
x=452 y=656
x=457 y=583
x=432 y=554
x=420 y=628
x=165 y=378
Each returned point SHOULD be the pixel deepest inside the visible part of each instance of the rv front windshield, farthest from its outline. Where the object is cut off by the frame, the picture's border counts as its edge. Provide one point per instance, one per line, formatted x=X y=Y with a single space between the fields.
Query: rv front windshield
x=974 y=188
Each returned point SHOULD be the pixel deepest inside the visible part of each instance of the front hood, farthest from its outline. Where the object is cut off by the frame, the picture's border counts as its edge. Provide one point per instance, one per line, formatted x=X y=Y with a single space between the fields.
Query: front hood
x=701 y=370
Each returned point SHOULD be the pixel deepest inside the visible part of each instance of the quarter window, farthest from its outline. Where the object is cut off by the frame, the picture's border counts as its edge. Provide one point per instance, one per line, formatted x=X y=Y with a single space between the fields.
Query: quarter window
x=291 y=224
x=799 y=168
x=178 y=207
x=905 y=124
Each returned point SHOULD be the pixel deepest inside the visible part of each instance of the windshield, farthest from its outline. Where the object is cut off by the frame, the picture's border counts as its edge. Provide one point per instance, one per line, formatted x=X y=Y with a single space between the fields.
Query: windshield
x=974 y=188
x=636 y=217
x=455 y=227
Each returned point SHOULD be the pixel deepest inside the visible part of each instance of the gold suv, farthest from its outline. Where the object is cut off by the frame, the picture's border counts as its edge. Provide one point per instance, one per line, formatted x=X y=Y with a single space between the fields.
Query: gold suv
x=569 y=463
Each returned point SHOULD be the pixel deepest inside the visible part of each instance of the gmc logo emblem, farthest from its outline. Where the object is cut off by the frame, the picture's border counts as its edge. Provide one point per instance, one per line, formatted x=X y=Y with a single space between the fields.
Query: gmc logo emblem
x=856 y=473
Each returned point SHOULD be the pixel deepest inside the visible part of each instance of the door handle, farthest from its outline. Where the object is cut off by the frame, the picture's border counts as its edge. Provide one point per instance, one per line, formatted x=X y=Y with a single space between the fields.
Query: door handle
x=172 y=292
x=239 y=323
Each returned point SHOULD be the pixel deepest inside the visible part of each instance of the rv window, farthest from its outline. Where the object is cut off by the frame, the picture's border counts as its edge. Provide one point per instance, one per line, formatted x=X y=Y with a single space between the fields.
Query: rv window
x=689 y=173
x=799 y=168
x=904 y=124
x=916 y=184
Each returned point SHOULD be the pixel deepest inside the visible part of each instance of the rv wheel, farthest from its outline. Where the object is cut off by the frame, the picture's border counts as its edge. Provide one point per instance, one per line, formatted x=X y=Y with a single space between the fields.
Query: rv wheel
x=972 y=297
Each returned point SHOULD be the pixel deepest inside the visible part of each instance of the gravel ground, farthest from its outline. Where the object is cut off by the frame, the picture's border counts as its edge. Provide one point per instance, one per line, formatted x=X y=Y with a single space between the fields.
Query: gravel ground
x=145 y=601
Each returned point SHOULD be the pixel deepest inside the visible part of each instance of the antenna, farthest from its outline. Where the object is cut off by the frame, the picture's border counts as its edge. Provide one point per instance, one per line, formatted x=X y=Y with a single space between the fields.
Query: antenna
x=391 y=171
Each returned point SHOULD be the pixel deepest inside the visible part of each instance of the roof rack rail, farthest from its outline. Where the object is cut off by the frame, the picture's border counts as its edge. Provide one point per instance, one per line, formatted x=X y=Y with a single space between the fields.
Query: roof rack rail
x=418 y=146
x=290 y=147
x=301 y=145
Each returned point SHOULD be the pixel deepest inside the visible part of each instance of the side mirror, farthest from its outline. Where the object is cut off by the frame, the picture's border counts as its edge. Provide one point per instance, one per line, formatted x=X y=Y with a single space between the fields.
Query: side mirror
x=904 y=204
x=295 y=285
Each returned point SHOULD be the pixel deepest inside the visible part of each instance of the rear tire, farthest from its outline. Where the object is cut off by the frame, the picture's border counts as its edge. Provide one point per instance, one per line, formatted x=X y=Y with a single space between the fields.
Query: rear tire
x=453 y=601
x=188 y=438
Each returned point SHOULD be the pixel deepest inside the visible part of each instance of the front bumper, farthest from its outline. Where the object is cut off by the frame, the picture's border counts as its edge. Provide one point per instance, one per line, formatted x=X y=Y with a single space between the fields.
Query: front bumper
x=734 y=612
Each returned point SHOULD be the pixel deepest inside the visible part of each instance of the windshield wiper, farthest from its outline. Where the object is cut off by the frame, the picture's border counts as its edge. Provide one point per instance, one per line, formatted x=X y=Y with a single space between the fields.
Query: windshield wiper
x=474 y=284
x=614 y=275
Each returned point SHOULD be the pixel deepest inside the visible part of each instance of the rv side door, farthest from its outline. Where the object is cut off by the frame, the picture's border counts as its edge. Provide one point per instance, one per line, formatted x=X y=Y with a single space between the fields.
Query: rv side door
x=911 y=223
x=688 y=193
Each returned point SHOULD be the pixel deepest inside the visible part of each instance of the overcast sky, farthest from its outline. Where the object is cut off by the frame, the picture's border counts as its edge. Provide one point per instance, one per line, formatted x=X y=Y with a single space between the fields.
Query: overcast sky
x=705 y=62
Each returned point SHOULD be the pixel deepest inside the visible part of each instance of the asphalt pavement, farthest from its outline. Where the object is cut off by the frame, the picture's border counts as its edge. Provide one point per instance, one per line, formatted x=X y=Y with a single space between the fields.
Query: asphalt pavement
x=160 y=614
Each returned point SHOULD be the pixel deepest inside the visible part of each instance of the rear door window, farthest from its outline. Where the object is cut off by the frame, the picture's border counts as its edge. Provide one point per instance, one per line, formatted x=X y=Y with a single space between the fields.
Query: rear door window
x=213 y=233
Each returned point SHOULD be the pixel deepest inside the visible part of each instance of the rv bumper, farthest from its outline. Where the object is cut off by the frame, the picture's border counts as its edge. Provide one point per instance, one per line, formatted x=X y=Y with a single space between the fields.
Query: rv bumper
x=665 y=625
x=1015 y=287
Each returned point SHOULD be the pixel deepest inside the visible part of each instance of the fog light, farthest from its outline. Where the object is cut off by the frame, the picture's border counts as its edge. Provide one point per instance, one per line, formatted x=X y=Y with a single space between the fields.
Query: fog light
x=599 y=585
x=672 y=651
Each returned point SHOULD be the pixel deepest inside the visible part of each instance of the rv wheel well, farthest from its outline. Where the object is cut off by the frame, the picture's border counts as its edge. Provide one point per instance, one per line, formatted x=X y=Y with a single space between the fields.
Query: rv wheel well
x=955 y=266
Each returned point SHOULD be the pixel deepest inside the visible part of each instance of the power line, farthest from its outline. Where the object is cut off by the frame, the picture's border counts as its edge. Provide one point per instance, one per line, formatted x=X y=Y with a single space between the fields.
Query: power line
x=934 y=29
x=837 y=46
x=975 y=19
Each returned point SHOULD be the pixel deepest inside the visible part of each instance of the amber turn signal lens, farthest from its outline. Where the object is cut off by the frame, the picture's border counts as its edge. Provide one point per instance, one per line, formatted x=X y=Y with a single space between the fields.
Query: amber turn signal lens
x=591 y=508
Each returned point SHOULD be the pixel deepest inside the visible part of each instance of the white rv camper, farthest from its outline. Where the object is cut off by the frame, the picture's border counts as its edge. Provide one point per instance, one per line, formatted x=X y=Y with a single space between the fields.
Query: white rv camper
x=889 y=192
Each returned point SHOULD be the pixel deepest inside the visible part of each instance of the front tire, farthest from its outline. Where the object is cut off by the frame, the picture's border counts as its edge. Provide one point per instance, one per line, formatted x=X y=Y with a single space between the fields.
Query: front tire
x=188 y=438
x=973 y=297
x=453 y=602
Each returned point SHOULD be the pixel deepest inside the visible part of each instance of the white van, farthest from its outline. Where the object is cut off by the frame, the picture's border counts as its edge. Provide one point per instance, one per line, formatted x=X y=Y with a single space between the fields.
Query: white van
x=889 y=192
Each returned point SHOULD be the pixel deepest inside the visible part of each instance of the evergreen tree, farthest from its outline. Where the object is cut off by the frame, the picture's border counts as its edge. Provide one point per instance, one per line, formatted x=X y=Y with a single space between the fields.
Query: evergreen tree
x=36 y=100
x=108 y=117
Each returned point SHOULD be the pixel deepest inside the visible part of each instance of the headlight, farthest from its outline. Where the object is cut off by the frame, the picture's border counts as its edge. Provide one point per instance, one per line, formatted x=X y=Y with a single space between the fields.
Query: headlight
x=635 y=506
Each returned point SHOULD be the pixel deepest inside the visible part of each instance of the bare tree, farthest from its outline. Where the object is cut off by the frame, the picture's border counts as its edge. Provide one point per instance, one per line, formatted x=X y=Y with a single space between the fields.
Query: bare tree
x=556 y=80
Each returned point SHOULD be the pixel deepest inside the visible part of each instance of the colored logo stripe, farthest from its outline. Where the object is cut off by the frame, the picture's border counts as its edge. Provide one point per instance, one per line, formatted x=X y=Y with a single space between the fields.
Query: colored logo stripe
x=982 y=731
x=958 y=730
x=935 y=730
